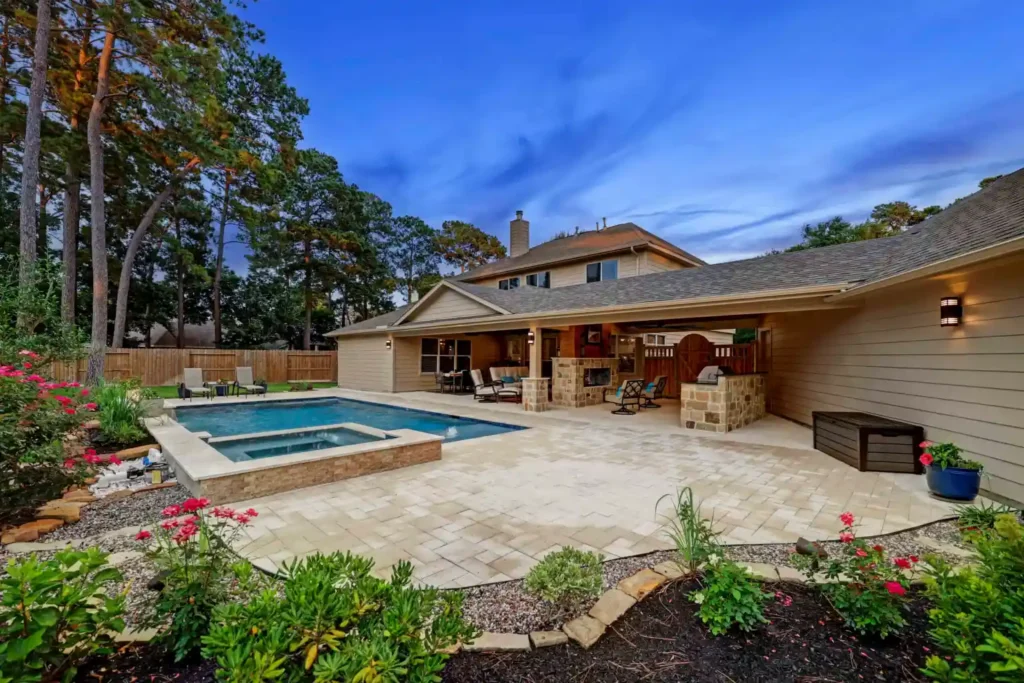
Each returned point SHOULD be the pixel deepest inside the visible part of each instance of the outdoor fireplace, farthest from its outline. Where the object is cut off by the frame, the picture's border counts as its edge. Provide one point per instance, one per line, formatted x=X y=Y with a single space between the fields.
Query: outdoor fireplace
x=597 y=377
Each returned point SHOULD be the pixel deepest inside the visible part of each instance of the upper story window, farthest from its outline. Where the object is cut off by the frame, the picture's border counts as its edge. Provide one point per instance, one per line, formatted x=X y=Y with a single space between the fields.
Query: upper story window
x=603 y=270
x=542 y=280
x=655 y=339
x=509 y=283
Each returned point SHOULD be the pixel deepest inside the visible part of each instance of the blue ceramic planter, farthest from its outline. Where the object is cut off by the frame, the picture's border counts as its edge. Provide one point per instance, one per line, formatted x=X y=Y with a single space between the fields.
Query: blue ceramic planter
x=955 y=483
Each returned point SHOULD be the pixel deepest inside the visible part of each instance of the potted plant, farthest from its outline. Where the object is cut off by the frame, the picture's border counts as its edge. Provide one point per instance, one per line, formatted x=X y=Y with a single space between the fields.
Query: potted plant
x=949 y=474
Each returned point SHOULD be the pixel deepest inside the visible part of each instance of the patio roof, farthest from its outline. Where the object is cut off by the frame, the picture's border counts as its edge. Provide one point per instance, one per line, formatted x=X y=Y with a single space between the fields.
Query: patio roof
x=983 y=225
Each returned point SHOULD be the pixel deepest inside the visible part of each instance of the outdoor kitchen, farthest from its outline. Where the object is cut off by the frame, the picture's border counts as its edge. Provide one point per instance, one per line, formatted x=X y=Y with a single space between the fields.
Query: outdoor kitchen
x=720 y=401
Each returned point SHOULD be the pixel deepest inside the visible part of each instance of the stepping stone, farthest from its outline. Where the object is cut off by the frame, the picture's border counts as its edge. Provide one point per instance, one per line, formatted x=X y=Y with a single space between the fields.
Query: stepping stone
x=947 y=548
x=791 y=575
x=669 y=569
x=120 y=494
x=23 y=548
x=135 y=452
x=498 y=642
x=117 y=559
x=30 y=531
x=640 y=585
x=66 y=511
x=79 y=496
x=157 y=487
x=761 y=570
x=585 y=630
x=612 y=605
x=548 y=638
x=131 y=636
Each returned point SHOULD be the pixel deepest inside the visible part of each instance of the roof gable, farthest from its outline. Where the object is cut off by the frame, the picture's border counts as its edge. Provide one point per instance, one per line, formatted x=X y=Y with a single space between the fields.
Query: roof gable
x=448 y=302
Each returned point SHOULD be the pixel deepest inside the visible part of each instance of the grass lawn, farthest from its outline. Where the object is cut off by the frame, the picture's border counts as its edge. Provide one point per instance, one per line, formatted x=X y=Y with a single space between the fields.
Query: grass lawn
x=274 y=387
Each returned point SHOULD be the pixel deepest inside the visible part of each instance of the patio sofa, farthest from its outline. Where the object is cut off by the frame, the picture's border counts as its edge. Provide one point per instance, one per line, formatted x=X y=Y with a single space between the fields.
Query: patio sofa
x=510 y=375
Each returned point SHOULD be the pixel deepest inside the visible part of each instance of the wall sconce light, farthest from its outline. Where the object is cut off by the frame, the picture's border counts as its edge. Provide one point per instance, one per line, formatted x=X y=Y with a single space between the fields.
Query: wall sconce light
x=951 y=311
x=387 y=344
x=530 y=337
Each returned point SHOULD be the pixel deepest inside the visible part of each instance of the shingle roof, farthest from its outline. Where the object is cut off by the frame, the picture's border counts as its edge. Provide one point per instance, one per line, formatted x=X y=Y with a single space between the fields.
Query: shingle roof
x=984 y=219
x=372 y=323
x=591 y=242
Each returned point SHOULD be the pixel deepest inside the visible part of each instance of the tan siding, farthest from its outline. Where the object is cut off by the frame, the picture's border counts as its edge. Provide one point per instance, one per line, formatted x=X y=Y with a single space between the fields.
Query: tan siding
x=365 y=363
x=486 y=352
x=449 y=305
x=573 y=273
x=890 y=357
x=656 y=263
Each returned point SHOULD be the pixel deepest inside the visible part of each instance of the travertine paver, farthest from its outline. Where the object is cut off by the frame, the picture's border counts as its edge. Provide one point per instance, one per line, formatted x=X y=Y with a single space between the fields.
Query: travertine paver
x=492 y=507
x=498 y=642
x=548 y=638
x=585 y=630
x=610 y=606
x=640 y=585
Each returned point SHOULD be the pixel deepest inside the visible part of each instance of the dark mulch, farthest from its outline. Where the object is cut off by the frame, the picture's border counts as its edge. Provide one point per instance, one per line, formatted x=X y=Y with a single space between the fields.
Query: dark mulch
x=137 y=663
x=662 y=639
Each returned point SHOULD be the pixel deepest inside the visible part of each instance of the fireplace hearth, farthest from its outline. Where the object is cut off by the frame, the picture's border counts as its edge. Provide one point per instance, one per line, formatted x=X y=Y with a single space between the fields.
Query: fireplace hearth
x=597 y=377
x=579 y=382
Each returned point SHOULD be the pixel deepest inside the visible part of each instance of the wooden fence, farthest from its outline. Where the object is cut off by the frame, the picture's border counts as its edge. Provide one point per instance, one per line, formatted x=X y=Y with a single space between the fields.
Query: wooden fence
x=682 y=362
x=156 y=367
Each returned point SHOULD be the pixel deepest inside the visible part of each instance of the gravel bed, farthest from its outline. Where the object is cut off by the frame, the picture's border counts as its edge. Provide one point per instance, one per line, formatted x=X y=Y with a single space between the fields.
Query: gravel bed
x=138 y=510
x=507 y=607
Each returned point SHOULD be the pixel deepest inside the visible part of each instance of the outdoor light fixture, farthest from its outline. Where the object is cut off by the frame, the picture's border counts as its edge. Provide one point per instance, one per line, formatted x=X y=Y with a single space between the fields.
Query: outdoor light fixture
x=951 y=311
x=530 y=337
x=387 y=344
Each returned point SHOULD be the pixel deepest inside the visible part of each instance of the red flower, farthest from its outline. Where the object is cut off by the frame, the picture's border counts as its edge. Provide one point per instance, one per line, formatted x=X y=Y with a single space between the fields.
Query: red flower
x=89 y=451
x=846 y=518
x=193 y=504
x=926 y=459
x=902 y=563
x=69 y=411
x=26 y=365
x=861 y=552
x=72 y=384
x=184 y=533
x=242 y=518
x=171 y=511
x=114 y=460
x=252 y=513
x=85 y=392
x=895 y=588
x=877 y=548
x=926 y=444
x=142 y=535
x=92 y=458
x=168 y=524
x=913 y=558
x=69 y=463
x=846 y=537
x=223 y=513
x=90 y=406
x=30 y=354
x=63 y=400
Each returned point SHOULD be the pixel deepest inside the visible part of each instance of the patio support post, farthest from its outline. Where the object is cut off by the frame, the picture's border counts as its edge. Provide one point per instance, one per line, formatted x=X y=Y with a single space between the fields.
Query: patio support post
x=535 y=387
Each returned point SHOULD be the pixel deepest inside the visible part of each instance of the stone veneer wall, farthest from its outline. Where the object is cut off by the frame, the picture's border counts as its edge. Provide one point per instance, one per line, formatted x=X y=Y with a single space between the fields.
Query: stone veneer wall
x=535 y=394
x=568 y=390
x=735 y=402
x=264 y=482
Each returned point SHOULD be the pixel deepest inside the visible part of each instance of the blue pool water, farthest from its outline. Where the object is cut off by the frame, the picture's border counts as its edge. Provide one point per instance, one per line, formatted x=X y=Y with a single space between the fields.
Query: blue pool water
x=230 y=420
x=283 y=444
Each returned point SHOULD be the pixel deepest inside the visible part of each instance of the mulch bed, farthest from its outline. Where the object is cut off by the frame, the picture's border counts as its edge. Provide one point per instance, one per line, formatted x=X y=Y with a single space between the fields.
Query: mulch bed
x=662 y=639
x=141 y=663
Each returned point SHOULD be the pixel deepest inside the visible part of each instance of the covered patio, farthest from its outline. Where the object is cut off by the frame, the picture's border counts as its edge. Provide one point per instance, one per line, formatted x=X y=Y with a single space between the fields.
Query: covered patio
x=493 y=506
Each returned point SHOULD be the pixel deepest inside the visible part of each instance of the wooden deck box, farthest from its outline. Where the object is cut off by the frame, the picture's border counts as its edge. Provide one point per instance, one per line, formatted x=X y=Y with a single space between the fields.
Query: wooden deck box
x=868 y=442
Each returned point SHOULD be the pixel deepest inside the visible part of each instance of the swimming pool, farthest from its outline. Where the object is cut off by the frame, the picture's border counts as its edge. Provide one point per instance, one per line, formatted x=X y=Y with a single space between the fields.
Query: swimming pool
x=264 y=416
x=269 y=445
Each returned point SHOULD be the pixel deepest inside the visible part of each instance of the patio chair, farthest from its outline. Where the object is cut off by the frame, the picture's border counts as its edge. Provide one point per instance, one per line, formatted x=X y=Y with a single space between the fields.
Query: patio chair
x=244 y=382
x=629 y=394
x=653 y=391
x=484 y=391
x=193 y=383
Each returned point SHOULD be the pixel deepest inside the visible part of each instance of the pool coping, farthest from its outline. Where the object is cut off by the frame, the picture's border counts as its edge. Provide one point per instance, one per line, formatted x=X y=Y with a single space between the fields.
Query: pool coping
x=350 y=426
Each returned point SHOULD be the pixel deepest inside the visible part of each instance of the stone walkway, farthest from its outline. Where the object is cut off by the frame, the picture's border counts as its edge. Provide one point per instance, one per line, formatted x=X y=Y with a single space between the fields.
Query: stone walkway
x=492 y=507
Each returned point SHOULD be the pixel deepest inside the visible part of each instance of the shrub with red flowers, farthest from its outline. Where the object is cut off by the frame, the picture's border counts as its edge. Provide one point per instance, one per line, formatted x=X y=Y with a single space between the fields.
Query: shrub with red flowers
x=34 y=423
x=864 y=585
x=192 y=548
x=943 y=455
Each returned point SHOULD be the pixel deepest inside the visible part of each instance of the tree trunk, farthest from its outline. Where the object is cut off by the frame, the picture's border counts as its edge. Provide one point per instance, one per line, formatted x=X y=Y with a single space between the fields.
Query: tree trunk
x=308 y=285
x=42 y=237
x=33 y=141
x=220 y=259
x=181 y=283
x=125 y=281
x=72 y=188
x=98 y=346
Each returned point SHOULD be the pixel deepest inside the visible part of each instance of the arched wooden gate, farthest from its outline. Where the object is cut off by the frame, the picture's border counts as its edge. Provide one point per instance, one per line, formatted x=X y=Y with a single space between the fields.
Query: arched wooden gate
x=693 y=353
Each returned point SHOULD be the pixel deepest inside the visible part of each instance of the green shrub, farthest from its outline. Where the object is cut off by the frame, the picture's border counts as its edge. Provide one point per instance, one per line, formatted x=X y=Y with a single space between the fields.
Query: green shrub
x=566 y=576
x=977 y=617
x=56 y=613
x=336 y=622
x=863 y=584
x=122 y=409
x=729 y=597
x=943 y=455
x=980 y=516
x=192 y=548
x=693 y=536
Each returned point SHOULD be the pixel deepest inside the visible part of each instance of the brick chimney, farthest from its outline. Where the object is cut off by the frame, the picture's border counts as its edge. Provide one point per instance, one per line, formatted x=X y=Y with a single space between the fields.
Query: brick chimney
x=519 y=235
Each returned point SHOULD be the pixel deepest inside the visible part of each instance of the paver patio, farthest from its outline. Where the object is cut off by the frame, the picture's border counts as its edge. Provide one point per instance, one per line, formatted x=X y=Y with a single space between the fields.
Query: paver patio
x=492 y=507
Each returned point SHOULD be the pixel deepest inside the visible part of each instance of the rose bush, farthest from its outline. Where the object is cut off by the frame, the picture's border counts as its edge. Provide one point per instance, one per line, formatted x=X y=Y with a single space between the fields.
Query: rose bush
x=192 y=548
x=866 y=587
x=943 y=455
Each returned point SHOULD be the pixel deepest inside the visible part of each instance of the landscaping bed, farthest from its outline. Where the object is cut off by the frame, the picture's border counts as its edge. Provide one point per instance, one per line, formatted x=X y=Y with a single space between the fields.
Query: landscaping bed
x=662 y=639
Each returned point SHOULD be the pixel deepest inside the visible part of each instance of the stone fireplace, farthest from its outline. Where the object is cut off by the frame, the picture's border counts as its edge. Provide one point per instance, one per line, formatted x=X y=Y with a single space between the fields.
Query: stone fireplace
x=578 y=382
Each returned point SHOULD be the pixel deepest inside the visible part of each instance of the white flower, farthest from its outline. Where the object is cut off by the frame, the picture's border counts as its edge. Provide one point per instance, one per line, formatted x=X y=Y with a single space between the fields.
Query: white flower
x=713 y=559
x=698 y=598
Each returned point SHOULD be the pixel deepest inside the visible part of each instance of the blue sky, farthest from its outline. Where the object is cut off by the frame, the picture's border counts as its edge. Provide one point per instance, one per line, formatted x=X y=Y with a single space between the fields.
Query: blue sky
x=723 y=127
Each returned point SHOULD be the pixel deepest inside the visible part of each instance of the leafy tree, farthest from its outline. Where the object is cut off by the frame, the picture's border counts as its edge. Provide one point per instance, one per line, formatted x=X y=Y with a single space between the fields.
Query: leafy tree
x=466 y=246
x=414 y=254
x=826 y=234
x=985 y=182
x=885 y=220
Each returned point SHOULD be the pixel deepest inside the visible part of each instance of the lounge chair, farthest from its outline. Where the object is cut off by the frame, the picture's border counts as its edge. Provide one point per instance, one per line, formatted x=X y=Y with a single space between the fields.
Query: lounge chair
x=244 y=382
x=653 y=391
x=193 y=384
x=629 y=394
x=492 y=391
